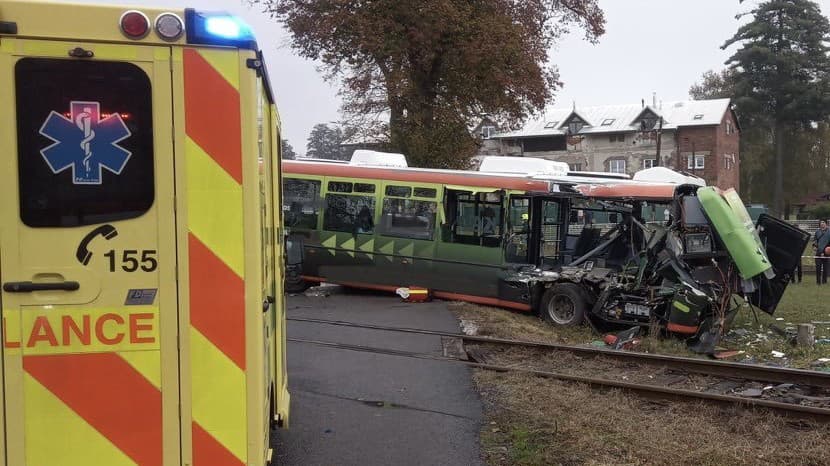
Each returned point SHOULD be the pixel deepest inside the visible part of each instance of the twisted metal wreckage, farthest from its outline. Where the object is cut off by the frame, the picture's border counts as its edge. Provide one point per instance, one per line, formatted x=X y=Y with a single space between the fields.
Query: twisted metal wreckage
x=689 y=275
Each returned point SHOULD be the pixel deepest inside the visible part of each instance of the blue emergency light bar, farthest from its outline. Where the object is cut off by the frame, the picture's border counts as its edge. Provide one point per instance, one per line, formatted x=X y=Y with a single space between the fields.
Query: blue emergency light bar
x=218 y=28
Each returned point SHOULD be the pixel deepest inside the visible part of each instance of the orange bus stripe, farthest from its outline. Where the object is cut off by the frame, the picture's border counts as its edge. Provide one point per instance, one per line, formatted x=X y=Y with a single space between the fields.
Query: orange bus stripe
x=110 y=395
x=217 y=302
x=518 y=182
x=209 y=452
x=212 y=114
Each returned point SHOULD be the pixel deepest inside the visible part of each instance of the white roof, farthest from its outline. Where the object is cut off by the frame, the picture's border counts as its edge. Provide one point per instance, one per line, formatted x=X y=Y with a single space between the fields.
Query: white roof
x=666 y=175
x=622 y=118
x=522 y=165
x=371 y=158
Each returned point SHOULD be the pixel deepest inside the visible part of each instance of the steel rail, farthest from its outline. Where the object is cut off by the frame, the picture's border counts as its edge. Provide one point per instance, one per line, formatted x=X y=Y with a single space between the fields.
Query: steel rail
x=728 y=369
x=649 y=391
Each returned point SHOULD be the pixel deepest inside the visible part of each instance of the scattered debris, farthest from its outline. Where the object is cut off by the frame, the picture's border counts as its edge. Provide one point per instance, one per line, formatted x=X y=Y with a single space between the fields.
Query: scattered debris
x=625 y=340
x=727 y=354
x=751 y=393
x=469 y=327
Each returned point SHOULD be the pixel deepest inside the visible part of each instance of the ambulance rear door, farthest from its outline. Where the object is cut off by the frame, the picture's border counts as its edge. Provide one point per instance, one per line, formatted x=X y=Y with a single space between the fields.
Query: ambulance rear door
x=88 y=254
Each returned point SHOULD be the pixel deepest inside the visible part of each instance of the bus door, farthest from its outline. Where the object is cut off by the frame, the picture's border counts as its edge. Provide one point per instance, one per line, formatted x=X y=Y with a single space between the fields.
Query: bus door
x=550 y=225
x=405 y=243
x=348 y=235
x=518 y=245
x=88 y=254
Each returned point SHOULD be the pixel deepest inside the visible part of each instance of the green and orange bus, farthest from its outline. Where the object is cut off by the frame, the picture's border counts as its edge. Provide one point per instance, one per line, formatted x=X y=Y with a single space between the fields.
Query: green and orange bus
x=547 y=244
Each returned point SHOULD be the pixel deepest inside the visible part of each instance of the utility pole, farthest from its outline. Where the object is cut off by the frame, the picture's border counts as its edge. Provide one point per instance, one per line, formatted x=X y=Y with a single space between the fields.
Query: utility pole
x=659 y=141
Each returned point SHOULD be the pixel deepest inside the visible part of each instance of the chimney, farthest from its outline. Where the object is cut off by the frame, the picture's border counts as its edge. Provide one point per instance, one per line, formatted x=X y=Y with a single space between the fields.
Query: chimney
x=643 y=103
x=654 y=99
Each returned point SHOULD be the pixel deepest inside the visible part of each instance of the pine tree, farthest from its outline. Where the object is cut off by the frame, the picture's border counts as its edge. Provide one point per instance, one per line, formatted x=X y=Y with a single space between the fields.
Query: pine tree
x=781 y=71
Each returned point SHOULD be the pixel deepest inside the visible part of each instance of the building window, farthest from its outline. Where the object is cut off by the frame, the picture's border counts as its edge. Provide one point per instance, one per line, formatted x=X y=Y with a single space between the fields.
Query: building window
x=648 y=163
x=616 y=166
x=699 y=116
x=551 y=124
x=648 y=123
x=575 y=126
x=616 y=137
x=729 y=161
x=608 y=121
x=487 y=132
x=575 y=167
x=729 y=128
x=696 y=162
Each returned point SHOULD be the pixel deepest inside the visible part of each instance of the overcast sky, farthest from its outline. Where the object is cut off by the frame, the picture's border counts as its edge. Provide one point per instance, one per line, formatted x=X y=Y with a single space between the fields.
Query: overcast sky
x=660 y=46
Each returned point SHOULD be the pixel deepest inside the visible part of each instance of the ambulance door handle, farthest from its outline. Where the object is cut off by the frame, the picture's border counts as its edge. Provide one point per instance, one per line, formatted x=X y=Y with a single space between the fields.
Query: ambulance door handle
x=266 y=303
x=28 y=287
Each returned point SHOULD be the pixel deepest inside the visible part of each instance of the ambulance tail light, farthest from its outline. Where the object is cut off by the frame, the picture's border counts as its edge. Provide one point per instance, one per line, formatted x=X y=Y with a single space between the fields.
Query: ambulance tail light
x=218 y=28
x=134 y=24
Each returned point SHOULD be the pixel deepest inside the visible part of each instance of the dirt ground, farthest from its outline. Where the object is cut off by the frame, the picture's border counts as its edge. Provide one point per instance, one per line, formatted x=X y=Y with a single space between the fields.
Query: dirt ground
x=534 y=421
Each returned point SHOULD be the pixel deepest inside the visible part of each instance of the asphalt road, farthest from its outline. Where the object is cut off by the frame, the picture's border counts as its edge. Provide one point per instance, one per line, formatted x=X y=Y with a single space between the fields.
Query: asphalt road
x=356 y=408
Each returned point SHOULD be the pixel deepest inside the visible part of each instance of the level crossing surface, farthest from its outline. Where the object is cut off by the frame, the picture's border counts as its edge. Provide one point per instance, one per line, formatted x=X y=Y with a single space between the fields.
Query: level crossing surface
x=357 y=408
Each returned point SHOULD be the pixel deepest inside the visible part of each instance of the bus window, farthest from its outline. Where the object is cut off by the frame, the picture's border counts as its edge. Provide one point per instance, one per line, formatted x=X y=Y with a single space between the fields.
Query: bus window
x=426 y=192
x=477 y=218
x=340 y=187
x=63 y=192
x=300 y=203
x=349 y=213
x=408 y=218
x=398 y=191
x=518 y=231
x=364 y=188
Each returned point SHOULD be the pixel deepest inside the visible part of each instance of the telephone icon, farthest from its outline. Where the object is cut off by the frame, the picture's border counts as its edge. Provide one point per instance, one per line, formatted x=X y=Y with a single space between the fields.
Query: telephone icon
x=83 y=254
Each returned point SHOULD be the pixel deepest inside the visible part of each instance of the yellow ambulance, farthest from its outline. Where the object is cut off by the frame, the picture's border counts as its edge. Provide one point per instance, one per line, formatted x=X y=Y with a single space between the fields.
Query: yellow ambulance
x=141 y=263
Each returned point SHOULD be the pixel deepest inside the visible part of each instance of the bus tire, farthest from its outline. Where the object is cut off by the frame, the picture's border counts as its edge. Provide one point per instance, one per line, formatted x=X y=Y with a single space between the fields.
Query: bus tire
x=564 y=305
x=294 y=282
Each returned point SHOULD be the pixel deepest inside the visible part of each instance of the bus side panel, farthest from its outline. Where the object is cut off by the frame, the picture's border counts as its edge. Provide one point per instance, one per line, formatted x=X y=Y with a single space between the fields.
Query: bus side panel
x=211 y=244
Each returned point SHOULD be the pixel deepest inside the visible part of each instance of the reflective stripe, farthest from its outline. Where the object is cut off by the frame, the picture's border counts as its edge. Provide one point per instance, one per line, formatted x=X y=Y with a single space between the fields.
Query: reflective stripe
x=212 y=113
x=55 y=433
x=110 y=395
x=213 y=150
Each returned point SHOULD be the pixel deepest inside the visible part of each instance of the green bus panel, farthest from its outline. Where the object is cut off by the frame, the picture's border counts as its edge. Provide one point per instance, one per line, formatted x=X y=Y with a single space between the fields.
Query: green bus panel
x=741 y=243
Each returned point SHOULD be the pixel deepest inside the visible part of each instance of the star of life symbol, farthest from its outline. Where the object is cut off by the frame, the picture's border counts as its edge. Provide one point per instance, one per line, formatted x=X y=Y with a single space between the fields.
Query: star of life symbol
x=85 y=142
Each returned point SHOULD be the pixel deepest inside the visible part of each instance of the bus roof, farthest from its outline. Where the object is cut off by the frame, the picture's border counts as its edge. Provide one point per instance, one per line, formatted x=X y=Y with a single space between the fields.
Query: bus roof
x=419 y=175
x=37 y=19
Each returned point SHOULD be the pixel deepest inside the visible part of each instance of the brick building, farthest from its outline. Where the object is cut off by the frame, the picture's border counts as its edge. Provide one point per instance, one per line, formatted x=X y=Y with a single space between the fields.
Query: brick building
x=699 y=136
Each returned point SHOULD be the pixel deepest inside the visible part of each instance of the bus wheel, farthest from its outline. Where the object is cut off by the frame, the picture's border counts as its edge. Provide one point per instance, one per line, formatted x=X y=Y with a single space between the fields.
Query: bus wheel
x=294 y=282
x=564 y=304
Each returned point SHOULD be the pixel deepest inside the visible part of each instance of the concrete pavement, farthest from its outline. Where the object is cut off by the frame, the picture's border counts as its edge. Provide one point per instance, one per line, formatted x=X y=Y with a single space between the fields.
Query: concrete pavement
x=356 y=408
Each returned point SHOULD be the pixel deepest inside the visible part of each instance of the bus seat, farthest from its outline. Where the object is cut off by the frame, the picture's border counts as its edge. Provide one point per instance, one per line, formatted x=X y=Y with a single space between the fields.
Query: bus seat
x=588 y=238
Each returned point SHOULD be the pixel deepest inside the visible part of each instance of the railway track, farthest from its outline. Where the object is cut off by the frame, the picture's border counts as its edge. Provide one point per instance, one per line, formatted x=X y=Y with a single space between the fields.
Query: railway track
x=724 y=370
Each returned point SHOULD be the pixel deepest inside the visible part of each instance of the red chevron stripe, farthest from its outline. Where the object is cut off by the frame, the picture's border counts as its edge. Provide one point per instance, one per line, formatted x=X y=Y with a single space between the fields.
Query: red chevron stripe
x=212 y=114
x=110 y=395
x=217 y=302
x=209 y=452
